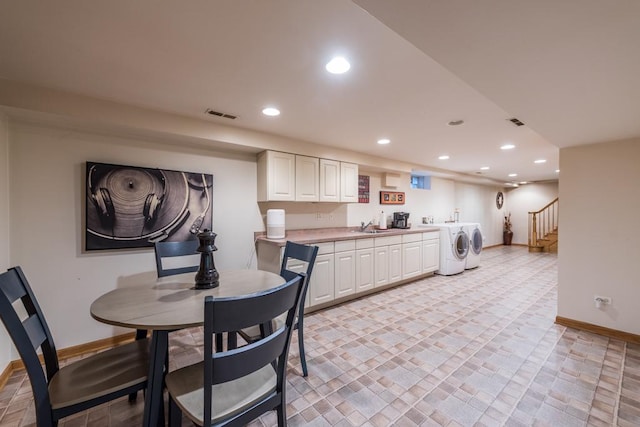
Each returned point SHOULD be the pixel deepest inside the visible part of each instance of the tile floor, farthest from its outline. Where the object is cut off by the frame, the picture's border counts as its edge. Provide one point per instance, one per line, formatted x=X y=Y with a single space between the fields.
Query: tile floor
x=476 y=349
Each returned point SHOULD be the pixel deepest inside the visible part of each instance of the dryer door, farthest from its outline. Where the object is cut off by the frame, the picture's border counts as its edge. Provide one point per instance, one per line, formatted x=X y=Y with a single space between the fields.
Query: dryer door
x=461 y=245
x=476 y=241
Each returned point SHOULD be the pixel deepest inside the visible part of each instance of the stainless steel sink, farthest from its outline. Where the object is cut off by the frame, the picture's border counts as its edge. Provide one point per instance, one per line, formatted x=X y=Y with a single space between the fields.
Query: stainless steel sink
x=375 y=231
x=371 y=231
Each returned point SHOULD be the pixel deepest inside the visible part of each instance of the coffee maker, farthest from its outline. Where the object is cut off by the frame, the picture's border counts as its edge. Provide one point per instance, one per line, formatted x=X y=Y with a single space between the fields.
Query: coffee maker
x=400 y=220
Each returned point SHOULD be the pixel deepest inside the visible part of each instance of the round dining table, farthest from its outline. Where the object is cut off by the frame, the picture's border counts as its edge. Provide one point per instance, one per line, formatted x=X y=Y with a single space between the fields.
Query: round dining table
x=167 y=304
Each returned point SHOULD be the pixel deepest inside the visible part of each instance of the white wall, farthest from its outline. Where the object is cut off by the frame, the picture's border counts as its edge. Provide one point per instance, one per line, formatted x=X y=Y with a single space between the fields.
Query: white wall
x=599 y=236
x=47 y=187
x=473 y=201
x=437 y=202
x=5 y=342
x=478 y=204
x=524 y=199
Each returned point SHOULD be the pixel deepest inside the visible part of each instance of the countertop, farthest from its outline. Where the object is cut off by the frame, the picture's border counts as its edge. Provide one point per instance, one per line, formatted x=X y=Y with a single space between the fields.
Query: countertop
x=319 y=235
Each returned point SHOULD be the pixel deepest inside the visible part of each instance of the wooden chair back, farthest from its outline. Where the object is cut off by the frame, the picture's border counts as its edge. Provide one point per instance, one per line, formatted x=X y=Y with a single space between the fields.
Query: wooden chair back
x=185 y=250
x=296 y=252
x=232 y=314
x=60 y=392
x=29 y=334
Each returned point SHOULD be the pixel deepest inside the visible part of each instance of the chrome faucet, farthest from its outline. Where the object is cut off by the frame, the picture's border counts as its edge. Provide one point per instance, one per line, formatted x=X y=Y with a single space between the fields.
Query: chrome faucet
x=364 y=227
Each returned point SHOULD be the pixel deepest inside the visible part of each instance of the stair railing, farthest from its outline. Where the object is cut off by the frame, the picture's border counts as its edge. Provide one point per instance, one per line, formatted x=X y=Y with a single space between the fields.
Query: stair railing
x=543 y=222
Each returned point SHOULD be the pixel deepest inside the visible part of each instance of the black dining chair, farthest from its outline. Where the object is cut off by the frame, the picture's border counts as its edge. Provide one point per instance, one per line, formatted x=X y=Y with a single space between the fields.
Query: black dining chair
x=187 y=261
x=235 y=386
x=299 y=257
x=183 y=254
x=60 y=392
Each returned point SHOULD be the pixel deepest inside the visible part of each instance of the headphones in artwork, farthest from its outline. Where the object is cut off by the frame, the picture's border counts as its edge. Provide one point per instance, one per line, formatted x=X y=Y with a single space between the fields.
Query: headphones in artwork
x=101 y=196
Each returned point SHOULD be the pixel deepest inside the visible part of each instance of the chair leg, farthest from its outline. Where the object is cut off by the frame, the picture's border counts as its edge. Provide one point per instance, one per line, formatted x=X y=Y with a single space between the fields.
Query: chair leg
x=303 y=357
x=175 y=414
x=282 y=415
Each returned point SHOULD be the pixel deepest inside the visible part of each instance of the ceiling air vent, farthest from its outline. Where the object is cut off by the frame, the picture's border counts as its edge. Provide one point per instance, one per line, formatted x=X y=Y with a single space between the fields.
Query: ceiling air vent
x=516 y=122
x=219 y=114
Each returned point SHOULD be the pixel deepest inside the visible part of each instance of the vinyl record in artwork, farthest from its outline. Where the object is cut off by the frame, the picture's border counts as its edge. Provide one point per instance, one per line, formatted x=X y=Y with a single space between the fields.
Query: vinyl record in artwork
x=131 y=207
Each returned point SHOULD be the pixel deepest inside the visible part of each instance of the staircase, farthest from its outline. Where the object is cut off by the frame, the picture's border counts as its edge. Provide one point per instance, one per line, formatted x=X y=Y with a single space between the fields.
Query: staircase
x=543 y=228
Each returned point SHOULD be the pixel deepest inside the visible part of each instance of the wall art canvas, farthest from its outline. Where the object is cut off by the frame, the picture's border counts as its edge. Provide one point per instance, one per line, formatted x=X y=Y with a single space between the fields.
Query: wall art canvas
x=363 y=189
x=134 y=207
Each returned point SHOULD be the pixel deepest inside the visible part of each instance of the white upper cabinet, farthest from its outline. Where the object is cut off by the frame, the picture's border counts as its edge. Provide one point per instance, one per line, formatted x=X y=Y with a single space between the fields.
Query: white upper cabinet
x=329 y=180
x=307 y=179
x=276 y=176
x=289 y=177
x=348 y=182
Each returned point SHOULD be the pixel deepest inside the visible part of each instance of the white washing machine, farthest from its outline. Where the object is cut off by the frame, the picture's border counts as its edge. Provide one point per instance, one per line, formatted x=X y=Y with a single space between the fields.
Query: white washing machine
x=476 y=242
x=454 y=247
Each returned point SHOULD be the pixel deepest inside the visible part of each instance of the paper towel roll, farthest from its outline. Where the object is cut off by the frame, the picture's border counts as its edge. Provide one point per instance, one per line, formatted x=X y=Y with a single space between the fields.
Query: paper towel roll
x=382 y=225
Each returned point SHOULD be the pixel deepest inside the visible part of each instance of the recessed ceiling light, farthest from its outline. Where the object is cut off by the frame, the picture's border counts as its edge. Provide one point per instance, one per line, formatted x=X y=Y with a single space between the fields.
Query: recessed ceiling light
x=271 y=111
x=540 y=161
x=443 y=157
x=557 y=170
x=507 y=147
x=484 y=168
x=338 y=65
x=513 y=174
x=524 y=182
x=384 y=141
x=455 y=122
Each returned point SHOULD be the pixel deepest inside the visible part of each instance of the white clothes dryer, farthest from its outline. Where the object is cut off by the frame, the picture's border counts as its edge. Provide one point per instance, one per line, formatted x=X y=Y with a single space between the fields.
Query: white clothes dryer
x=476 y=242
x=454 y=247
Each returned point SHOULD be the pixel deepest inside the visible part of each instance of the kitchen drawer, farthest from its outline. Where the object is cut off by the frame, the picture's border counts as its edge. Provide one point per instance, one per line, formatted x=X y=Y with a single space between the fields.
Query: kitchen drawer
x=410 y=238
x=364 y=243
x=431 y=235
x=345 y=245
x=387 y=241
x=324 y=248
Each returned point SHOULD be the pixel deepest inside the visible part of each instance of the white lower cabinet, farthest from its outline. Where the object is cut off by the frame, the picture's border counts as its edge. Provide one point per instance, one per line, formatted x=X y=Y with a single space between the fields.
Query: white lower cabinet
x=430 y=252
x=365 y=260
x=321 y=285
x=298 y=266
x=349 y=267
x=411 y=255
x=395 y=263
x=387 y=260
x=345 y=269
x=321 y=288
x=381 y=263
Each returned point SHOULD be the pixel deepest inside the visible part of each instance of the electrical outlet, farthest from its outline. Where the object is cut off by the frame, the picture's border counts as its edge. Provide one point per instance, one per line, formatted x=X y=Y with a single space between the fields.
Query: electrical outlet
x=601 y=299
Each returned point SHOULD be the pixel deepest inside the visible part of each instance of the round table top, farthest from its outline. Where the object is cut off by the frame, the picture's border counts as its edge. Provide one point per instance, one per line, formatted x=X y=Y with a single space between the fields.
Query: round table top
x=171 y=302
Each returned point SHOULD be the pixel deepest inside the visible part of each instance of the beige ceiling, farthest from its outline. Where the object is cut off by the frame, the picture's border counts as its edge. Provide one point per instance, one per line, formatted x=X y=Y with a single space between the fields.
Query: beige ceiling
x=569 y=70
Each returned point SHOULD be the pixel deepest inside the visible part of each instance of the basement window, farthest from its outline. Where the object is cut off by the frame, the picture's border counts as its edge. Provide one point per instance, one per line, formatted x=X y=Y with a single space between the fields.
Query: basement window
x=421 y=182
